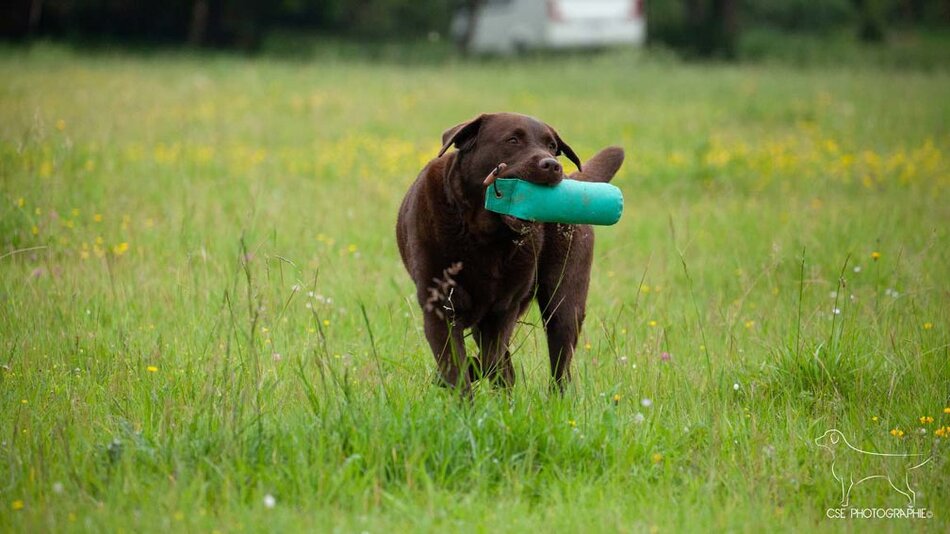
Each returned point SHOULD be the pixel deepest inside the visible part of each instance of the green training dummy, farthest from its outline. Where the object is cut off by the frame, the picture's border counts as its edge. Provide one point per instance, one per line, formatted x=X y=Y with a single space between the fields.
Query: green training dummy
x=569 y=202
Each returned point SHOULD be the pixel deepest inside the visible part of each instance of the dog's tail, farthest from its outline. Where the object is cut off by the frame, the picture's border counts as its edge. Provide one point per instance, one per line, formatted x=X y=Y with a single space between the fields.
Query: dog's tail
x=602 y=167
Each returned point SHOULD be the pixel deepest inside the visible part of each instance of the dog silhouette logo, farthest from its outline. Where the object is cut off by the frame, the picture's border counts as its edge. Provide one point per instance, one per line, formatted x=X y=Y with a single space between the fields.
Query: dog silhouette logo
x=851 y=466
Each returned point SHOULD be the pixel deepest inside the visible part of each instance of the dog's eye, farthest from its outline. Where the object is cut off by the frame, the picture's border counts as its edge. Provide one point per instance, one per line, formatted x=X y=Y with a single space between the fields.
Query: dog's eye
x=512 y=140
x=553 y=147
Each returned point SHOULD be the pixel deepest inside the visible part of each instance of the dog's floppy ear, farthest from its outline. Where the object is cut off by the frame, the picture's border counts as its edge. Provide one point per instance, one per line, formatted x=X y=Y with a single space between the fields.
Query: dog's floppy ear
x=564 y=148
x=461 y=135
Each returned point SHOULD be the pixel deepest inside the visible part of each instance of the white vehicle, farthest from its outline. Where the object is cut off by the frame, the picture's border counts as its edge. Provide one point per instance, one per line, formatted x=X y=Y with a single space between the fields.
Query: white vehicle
x=507 y=26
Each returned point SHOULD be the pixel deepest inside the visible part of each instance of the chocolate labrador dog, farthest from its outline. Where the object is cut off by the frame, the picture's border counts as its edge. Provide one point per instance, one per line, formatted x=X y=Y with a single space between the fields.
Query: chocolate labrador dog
x=475 y=269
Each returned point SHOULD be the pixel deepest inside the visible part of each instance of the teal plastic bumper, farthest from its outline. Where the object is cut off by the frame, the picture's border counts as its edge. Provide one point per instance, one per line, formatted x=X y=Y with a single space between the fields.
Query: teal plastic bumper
x=569 y=202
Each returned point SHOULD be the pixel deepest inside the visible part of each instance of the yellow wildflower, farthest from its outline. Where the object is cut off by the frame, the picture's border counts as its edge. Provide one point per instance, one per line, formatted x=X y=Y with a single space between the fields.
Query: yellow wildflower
x=326 y=322
x=657 y=458
x=17 y=504
x=947 y=410
x=20 y=202
x=60 y=125
x=152 y=369
x=926 y=420
x=652 y=323
x=875 y=255
x=351 y=248
x=749 y=324
x=572 y=423
x=928 y=326
x=897 y=432
x=97 y=217
x=120 y=249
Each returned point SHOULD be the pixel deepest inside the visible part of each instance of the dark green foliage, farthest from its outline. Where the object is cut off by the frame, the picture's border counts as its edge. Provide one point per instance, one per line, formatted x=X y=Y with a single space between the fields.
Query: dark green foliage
x=714 y=27
x=221 y=22
x=705 y=28
x=799 y=15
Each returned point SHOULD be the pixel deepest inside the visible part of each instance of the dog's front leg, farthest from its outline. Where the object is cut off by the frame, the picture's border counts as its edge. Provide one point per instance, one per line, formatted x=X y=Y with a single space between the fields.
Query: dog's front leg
x=492 y=335
x=448 y=346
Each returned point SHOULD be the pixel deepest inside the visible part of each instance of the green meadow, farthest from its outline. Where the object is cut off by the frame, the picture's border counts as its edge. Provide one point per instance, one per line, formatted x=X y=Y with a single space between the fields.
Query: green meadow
x=205 y=325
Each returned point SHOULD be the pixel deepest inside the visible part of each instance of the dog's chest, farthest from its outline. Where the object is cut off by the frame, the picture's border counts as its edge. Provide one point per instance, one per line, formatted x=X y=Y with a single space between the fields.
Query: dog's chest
x=500 y=274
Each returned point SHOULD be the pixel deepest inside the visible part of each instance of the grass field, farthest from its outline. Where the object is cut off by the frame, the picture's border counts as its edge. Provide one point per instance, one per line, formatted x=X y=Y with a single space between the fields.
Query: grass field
x=205 y=325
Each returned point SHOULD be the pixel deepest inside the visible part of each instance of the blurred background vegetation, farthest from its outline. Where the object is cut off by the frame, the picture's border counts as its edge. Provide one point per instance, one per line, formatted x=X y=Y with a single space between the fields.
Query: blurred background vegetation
x=800 y=30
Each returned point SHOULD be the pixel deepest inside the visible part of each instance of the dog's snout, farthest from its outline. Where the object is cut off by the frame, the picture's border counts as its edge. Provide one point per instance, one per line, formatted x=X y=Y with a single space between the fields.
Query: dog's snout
x=550 y=165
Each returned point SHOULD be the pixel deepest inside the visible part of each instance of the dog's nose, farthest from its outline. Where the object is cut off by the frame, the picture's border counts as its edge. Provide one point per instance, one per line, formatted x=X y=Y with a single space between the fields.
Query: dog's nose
x=550 y=165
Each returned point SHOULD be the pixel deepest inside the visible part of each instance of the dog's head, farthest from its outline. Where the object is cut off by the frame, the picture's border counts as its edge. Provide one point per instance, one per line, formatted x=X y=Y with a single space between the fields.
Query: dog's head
x=830 y=439
x=528 y=147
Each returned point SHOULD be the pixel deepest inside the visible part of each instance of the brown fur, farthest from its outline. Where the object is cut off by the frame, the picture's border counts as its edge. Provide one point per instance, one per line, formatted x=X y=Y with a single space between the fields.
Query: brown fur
x=479 y=270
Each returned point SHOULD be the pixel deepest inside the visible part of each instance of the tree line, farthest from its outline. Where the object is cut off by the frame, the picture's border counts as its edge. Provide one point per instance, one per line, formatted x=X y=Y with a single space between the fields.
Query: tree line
x=704 y=27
